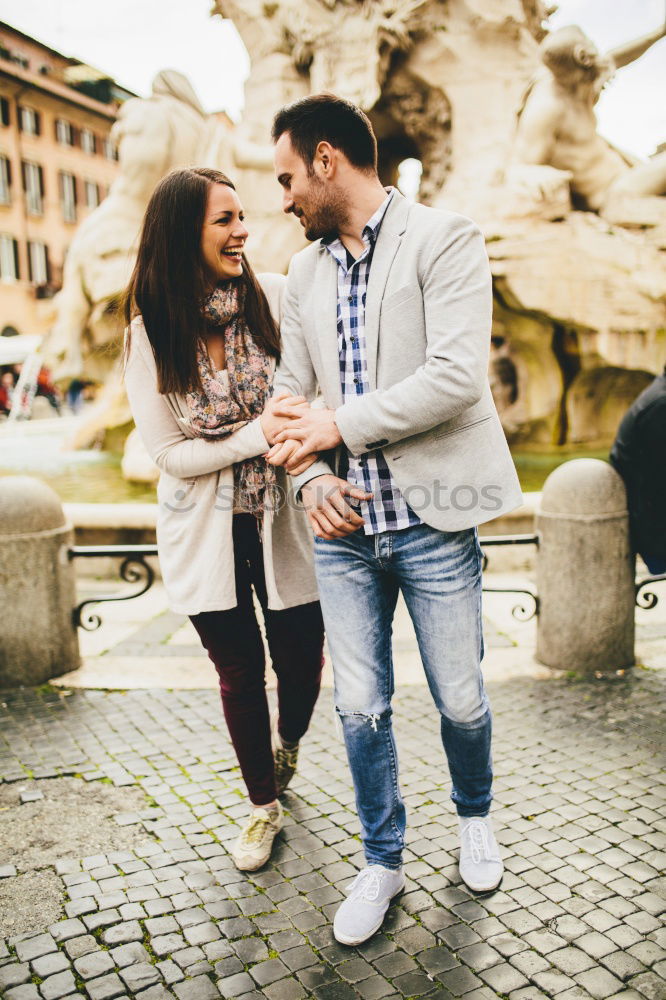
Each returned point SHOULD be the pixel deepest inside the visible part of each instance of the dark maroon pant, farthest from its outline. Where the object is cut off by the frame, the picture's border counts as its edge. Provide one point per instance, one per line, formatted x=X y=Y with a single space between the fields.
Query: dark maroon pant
x=233 y=641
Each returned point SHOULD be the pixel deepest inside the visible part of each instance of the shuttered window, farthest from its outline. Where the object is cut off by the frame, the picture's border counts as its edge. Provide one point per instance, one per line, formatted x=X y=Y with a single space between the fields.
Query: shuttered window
x=33 y=185
x=38 y=263
x=68 y=196
x=5 y=181
x=9 y=263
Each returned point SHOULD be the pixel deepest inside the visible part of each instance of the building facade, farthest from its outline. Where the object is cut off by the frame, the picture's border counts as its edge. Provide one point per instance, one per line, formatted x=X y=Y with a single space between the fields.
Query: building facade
x=57 y=162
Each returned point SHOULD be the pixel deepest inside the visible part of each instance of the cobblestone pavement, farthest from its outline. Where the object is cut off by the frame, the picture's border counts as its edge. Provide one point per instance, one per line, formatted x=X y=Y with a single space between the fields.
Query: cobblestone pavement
x=579 y=811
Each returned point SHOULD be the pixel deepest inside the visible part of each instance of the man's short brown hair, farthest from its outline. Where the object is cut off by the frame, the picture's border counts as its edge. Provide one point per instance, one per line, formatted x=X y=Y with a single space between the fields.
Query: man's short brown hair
x=326 y=118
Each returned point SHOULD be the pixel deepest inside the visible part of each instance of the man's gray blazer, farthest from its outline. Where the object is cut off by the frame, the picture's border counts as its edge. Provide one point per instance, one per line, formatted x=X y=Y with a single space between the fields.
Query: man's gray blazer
x=427 y=328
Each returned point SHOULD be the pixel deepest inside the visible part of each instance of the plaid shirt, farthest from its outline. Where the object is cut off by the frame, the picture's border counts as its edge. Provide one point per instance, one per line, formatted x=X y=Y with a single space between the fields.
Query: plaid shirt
x=388 y=510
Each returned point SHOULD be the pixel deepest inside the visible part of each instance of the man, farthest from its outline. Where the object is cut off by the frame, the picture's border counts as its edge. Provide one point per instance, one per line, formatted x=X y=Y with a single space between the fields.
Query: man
x=639 y=455
x=388 y=315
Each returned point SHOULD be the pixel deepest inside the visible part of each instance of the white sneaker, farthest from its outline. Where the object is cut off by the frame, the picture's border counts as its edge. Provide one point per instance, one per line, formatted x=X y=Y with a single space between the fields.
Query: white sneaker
x=253 y=847
x=369 y=897
x=481 y=867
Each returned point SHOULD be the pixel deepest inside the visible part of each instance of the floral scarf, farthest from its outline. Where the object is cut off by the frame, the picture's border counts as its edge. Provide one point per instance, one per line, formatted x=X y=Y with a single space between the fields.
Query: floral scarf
x=221 y=409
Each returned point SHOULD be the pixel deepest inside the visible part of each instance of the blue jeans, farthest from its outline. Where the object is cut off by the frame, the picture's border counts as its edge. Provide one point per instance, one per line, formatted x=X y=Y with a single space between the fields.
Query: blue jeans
x=439 y=574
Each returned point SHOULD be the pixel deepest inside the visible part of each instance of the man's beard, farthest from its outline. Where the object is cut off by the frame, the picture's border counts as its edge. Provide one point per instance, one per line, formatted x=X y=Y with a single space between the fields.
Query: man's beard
x=326 y=217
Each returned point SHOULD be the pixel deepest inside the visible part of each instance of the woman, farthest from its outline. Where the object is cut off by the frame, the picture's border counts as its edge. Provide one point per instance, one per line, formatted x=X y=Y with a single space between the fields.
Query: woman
x=200 y=352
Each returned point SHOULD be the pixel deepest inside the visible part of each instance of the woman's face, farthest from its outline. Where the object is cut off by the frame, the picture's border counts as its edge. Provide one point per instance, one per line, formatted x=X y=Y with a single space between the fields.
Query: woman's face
x=223 y=235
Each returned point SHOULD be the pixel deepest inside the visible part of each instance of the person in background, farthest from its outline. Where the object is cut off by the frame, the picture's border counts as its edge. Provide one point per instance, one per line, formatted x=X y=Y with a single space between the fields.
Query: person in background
x=47 y=388
x=7 y=383
x=639 y=455
x=74 y=395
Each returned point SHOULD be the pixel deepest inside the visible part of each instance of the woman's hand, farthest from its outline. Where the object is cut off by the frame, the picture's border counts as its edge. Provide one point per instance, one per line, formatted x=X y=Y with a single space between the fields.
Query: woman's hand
x=271 y=424
x=281 y=454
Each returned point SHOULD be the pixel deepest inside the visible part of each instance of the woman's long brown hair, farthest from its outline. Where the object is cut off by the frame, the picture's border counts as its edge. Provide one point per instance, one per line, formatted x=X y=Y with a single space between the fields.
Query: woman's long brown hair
x=168 y=284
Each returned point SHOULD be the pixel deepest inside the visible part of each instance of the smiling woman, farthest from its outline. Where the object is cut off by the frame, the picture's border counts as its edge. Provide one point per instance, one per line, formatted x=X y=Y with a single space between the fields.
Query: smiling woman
x=193 y=218
x=223 y=234
x=194 y=307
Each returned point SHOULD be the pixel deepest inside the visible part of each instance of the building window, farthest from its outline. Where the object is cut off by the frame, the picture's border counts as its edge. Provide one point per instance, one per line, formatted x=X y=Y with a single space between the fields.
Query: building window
x=29 y=120
x=5 y=113
x=65 y=132
x=5 y=181
x=92 y=194
x=33 y=185
x=9 y=266
x=38 y=263
x=20 y=59
x=68 y=196
x=88 y=141
x=110 y=151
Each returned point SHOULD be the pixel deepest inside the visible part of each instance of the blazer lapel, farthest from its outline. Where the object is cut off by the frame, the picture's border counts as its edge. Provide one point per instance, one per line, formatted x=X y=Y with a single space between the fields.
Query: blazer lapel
x=326 y=327
x=392 y=228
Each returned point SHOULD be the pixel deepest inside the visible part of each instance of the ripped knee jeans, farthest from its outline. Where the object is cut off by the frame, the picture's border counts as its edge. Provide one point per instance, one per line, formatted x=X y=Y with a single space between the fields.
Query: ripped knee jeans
x=439 y=575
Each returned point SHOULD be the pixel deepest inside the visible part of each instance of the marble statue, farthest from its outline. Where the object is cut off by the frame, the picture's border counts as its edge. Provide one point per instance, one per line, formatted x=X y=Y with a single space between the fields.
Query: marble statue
x=557 y=127
x=580 y=304
x=500 y=112
x=432 y=75
x=167 y=129
x=152 y=135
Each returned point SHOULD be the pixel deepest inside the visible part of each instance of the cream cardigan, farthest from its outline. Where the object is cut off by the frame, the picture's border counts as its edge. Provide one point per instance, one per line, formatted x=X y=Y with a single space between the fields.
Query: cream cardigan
x=195 y=495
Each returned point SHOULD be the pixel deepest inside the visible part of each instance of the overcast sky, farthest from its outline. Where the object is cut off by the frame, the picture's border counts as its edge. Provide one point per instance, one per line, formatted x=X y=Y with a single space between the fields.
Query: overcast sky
x=132 y=39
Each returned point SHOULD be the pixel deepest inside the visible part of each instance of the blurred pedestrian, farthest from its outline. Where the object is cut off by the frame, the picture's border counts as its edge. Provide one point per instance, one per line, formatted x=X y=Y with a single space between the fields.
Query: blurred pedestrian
x=48 y=389
x=639 y=455
x=7 y=384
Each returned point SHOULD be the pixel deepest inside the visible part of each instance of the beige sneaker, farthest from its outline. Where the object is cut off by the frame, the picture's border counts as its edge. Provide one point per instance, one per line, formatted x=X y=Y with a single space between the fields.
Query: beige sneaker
x=253 y=847
x=285 y=758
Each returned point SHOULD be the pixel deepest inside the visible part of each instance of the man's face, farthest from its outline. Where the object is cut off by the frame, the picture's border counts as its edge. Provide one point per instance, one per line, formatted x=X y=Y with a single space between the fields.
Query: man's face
x=313 y=200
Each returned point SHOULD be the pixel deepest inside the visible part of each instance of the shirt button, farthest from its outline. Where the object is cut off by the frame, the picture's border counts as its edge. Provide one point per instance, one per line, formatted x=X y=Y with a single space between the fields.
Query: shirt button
x=350 y=298
x=356 y=380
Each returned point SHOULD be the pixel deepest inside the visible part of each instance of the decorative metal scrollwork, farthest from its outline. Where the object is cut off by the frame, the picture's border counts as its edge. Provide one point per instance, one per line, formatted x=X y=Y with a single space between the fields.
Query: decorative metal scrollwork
x=133 y=569
x=521 y=612
x=648 y=600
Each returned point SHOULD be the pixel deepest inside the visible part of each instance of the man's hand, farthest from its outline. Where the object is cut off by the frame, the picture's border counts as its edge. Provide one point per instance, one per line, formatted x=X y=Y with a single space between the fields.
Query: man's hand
x=316 y=429
x=280 y=454
x=271 y=422
x=329 y=513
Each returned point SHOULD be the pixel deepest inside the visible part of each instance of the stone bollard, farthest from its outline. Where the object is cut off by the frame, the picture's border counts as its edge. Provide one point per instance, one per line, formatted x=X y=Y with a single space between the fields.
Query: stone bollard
x=37 y=585
x=585 y=570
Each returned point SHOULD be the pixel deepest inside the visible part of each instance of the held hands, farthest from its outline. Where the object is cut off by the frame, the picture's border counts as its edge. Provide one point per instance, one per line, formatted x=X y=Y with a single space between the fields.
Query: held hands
x=272 y=423
x=297 y=433
x=281 y=454
x=273 y=419
x=329 y=513
x=314 y=428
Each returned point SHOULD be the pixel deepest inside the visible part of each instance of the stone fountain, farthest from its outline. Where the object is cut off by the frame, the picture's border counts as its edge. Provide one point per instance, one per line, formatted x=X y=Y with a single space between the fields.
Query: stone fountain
x=500 y=112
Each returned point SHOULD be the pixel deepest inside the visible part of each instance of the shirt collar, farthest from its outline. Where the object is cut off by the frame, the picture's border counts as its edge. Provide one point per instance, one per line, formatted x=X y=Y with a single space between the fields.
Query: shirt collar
x=371 y=228
x=369 y=235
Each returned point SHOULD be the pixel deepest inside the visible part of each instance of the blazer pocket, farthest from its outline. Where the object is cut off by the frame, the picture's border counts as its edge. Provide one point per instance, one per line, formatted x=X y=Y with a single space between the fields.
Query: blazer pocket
x=437 y=434
x=403 y=294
